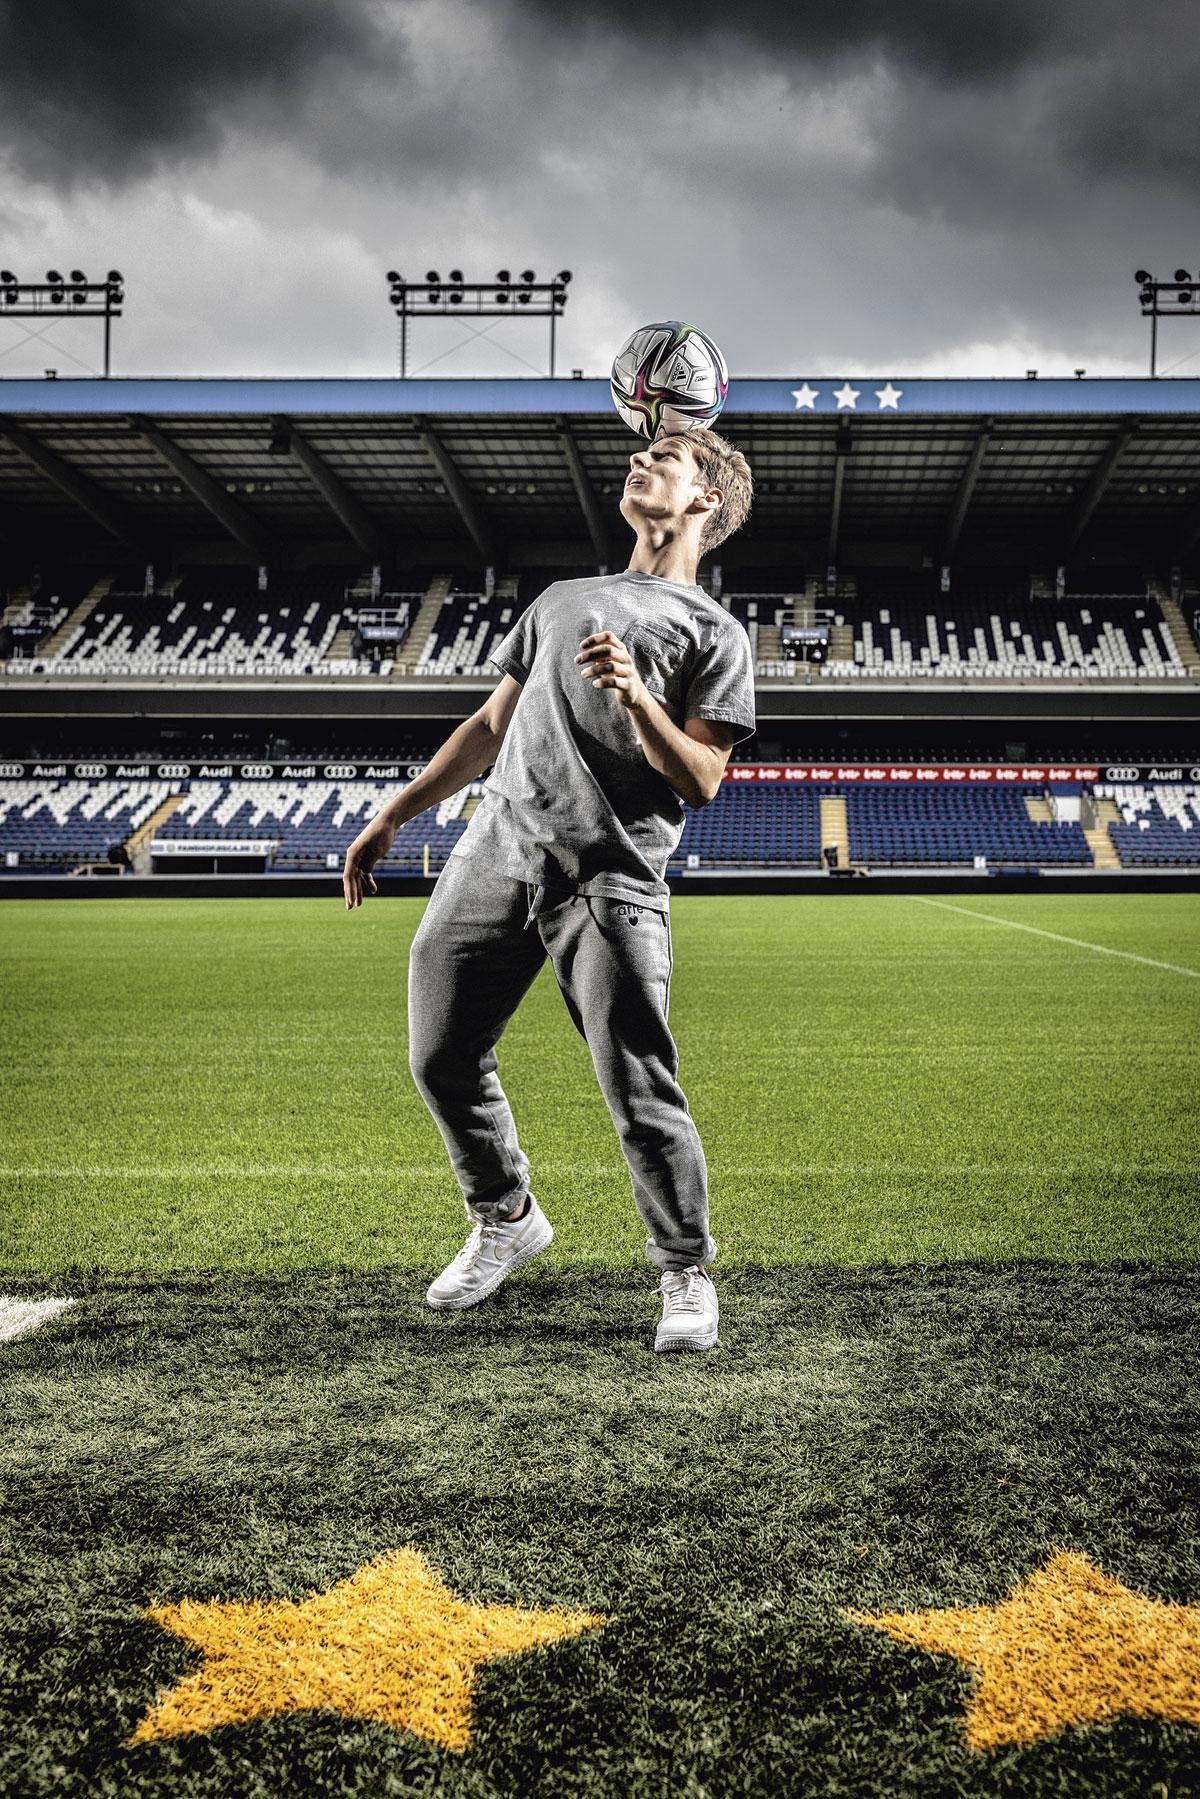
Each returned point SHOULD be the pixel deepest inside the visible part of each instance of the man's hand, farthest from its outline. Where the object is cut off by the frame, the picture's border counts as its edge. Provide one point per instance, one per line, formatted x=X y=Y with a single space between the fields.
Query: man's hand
x=605 y=662
x=368 y=848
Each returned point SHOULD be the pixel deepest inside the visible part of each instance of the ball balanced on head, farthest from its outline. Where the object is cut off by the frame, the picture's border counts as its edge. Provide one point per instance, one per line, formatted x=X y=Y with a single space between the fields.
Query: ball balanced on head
x=669 y=377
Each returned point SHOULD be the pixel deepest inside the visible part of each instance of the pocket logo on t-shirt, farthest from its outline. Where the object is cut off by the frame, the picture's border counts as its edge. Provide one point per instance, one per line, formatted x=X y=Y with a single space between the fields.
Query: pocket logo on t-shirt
x=630 y=913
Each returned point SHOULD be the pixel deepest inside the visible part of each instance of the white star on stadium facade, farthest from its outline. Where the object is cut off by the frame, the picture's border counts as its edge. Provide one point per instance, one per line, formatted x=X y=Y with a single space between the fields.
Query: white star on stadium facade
x=846 y=396
x=888 y=396
x=805 y=396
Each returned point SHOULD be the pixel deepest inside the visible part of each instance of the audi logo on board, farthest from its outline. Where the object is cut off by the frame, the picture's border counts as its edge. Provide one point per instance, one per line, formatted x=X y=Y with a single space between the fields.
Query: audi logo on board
x=11 y=771
x=174 y=771
x=257 y=771
x=90 y=771
x=340 y=771
x=1121 y=774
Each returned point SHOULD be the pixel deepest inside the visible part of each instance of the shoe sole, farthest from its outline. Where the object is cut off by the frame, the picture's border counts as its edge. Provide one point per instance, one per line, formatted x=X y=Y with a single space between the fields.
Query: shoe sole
x=501 y=1275
x=686 y=1344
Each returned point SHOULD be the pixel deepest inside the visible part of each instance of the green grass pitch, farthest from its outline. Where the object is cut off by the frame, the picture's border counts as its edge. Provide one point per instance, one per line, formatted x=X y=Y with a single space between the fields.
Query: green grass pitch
x=954 y=1180
x=201 y=1084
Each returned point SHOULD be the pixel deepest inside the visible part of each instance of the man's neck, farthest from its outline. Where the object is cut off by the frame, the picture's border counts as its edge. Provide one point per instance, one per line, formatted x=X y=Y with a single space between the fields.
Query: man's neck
x=670 y=558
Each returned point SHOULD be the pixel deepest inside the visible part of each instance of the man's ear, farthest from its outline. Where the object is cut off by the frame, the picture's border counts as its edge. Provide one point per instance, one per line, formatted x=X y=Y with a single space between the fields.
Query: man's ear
x=711 y=498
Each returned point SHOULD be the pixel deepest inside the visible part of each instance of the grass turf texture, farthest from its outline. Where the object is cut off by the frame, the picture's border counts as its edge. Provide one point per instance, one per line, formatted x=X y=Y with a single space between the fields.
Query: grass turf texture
x=193 y=1084
x=875 y=1439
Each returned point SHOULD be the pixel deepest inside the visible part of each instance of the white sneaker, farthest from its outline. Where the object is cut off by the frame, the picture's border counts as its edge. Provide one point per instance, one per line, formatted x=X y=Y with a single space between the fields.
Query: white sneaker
x=690 y=1311
x=488 y=1256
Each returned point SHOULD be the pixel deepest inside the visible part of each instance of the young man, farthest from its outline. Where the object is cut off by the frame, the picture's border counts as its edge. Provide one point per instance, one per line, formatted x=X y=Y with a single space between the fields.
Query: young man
x=621 y=698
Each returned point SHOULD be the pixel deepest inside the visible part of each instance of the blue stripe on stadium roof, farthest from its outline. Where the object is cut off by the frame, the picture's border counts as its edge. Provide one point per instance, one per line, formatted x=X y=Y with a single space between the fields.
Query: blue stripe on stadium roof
x=528 y=395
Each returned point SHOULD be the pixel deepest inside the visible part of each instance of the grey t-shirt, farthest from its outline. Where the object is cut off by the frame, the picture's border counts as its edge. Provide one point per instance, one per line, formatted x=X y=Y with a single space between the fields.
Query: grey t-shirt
x=572 y=801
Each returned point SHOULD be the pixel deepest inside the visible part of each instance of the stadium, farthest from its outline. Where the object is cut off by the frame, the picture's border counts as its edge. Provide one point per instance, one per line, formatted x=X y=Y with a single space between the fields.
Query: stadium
x=239 y=612
x=272 y=1524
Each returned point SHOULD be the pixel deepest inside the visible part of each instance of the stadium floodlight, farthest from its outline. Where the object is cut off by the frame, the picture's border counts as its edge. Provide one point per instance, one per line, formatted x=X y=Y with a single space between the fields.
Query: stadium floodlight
x=485 y=299
x=1164 y=300
x=88 y=299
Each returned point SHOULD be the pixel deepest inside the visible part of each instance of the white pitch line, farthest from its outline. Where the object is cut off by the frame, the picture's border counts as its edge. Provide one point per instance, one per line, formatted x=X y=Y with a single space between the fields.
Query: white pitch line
x=19 y=1316
x=727 y=1170
x=1101 y=949
x=179 y=1171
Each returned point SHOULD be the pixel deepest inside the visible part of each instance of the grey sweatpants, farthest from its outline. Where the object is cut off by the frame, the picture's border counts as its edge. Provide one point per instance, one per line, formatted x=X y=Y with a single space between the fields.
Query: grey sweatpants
x=481 y=942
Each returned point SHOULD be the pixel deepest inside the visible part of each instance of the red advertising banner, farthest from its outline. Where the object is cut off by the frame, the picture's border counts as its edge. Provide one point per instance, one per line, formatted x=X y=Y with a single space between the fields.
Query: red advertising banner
x=881 y=773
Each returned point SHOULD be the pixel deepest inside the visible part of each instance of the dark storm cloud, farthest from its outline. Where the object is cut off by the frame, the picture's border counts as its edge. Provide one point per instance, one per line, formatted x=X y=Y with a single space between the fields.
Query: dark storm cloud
x=89 y=90
x=1118 y=80
x=963 y=38
x=92 y=91
x=1007 y=163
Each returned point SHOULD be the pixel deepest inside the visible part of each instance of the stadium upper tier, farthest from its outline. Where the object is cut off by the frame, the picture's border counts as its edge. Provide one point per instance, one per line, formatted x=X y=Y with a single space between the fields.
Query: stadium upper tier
x=292 y=824
x=221 y=623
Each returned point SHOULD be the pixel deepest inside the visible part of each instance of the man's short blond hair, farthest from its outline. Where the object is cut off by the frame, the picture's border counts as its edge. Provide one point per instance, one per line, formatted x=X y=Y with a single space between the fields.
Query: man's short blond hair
x=722 y=466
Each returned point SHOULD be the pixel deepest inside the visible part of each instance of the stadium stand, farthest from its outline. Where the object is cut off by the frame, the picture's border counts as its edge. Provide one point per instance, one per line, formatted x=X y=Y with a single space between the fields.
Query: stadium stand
x=211 y=623
x=896 y=826
x=304 y=824
x=913 y=570
x=57 y=825
x=1159 y=826
x=886 y=623
x=987 y=628
x=754 y=823
x=466 y=630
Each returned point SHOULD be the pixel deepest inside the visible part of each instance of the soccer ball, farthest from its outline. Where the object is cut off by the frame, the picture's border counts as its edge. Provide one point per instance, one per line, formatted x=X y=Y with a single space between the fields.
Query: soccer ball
x=669 y=377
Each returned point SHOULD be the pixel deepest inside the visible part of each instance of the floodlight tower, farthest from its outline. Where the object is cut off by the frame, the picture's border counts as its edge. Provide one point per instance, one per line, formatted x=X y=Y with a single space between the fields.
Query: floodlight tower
x=525 y=297
x=1166 y=300
x=80 y=298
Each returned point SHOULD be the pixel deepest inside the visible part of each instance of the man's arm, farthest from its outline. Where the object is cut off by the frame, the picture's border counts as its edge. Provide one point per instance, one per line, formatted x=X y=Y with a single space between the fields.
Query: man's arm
x=469 y=749
x=691 y=760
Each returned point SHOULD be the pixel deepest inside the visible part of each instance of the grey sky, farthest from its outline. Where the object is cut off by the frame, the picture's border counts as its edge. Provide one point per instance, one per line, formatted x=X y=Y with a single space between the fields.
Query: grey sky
x=946 y=186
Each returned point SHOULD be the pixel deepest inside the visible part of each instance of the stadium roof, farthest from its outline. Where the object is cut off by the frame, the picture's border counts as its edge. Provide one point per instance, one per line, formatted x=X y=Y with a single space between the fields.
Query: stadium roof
x=528 y=472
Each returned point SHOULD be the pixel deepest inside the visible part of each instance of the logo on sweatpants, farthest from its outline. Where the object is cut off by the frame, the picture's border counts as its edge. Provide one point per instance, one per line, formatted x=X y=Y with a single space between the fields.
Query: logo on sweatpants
x=631 y=914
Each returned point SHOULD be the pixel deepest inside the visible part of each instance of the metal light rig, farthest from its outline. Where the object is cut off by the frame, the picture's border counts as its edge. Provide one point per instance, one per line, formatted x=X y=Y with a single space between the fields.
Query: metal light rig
x=58 y=297
x=1166 y=300
x=525 y=297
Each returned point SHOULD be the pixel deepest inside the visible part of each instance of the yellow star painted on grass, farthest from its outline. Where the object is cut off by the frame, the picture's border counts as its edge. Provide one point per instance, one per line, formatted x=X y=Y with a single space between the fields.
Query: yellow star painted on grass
x=1069 y=1645
x=392 y=1644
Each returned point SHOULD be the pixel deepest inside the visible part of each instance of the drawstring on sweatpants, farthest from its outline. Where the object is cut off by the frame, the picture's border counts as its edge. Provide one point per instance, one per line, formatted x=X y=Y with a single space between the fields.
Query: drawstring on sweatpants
x=538 y=892
x=539 y=895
